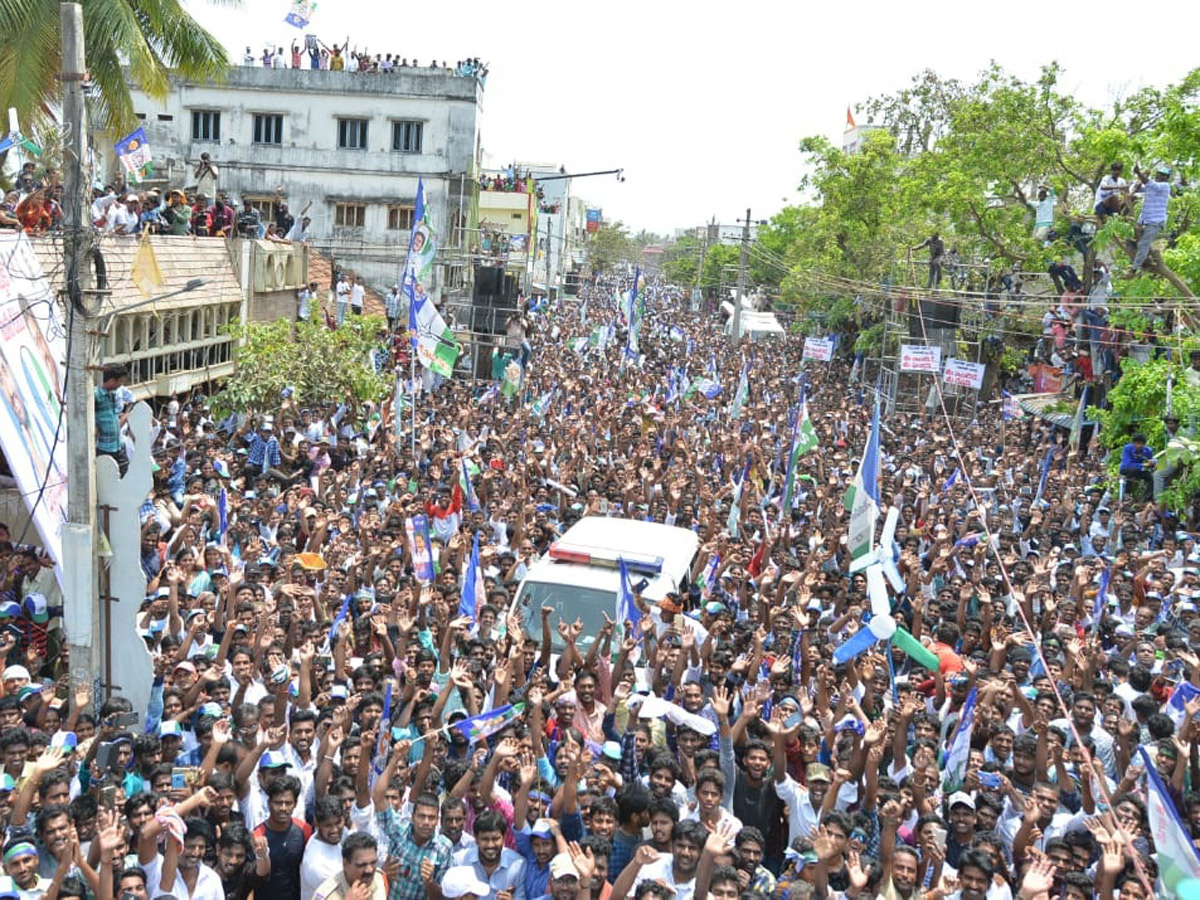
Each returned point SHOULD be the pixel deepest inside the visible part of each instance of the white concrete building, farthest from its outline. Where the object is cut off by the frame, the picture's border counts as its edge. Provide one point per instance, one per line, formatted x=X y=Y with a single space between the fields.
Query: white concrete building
x=350 y=144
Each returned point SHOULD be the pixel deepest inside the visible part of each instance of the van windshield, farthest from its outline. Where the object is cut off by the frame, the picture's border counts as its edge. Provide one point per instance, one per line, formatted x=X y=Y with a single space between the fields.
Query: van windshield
x=569 y=603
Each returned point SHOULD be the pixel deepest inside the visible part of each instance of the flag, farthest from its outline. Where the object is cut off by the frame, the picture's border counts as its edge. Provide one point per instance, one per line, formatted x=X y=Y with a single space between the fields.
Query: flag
x=473 y=594
x=627 y=608
x=755 y=566
x=1045 y=471
x=145 y=272
x=1077 y=424
x=481 y=727
x=542 y=404
x=468 y=489
x=862 y=497
x=385 y=723
x=222 y=515
x=1012 y=409
x=735 y=508
x=949 y=482
x=433 y=342
x=1101 y=595
x=955 y=762
x=804 y=438
x=301 y=13
x=133 y=152
x=849 y=119
x=709 y=388
x=338 y=620
x=739 y=397
x=709 y=576
x=511 y=382
x=417 y=528
x=1176 y=855
x=676 y=334
x=1176 y=708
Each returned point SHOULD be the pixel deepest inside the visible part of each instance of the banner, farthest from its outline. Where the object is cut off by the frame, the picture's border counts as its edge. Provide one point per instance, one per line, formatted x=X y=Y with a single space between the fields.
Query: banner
x=301 y=13
x=593 y=221
x=422 y=551
x=32 y=348
x=918 y=358
x=820 y=349
x=437 y=350
x=133 y=151
x=1046 y=379
x=963 y=374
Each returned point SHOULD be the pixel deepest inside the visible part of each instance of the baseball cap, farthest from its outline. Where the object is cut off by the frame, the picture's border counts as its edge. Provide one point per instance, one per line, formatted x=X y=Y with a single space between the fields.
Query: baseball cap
x=7 y=785
x=817 y=772
x=959 y=797
x=170 y=728
x=562 y=867
x=38 y=609
x=8 y=887
x=10 y=610
x=541 y=829
x=15 y=672
x=273 y=760
x=461 y=880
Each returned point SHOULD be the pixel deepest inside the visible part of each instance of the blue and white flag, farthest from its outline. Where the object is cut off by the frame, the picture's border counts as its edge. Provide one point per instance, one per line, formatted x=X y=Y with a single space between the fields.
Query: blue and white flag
x=301 y=13
x=342 y=613
x=862 y=497
x=133 y=152
x=222 y=515
x=542 y=403
x=709 y=576
x=1045 y=472
x=955 y=762
x=709 y=388
x=950 y=482
x=1176 y=855
x=469 y=489
x=1176 y=708
x=627 y=608
x=1101 y=595
x=675 y=333
x=473 y=592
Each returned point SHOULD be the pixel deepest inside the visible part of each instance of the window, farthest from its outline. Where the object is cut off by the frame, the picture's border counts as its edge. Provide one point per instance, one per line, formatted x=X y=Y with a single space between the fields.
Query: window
x=400 y=218
x=349 y=215
x=206 y=125
x=268 y=206
x=352 y=134
x=268 y=128
x=162 y=117
x=406 y=136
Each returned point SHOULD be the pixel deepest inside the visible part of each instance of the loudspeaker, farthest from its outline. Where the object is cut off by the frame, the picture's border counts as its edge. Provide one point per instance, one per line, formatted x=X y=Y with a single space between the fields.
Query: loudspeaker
x=489 y=280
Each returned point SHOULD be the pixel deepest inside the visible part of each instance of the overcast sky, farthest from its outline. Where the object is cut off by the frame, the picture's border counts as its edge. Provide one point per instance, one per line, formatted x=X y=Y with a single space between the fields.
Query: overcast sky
x=704 y=105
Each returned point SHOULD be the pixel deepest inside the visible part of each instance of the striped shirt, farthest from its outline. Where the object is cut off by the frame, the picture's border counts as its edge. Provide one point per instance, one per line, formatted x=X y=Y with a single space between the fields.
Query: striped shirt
x=401 y=846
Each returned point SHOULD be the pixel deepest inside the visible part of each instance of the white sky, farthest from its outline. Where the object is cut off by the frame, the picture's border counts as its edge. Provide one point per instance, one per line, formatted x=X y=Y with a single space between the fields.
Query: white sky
x=704 y=105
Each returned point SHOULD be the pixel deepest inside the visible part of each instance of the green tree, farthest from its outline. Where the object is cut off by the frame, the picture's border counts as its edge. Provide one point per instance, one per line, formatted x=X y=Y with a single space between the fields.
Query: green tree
x=609 y=246
x=681 y=260
x=146 y=39
x=313 y=361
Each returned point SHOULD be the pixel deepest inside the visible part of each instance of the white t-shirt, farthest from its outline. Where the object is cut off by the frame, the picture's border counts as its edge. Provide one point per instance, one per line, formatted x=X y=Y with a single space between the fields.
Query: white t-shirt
x=321 y=860
x=1108 y=186
x=357 y=293
x=661 y=870
x=343 y=291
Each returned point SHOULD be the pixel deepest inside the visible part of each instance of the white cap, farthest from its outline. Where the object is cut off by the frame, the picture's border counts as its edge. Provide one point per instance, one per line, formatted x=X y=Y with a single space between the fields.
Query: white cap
x=15 y=672
x=960 y=797
x=461 y=880
x=562 y=867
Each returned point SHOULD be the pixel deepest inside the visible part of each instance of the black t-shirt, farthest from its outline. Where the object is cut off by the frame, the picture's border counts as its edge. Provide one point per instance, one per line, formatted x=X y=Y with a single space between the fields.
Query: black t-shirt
x=287 y=852
x=242 y=882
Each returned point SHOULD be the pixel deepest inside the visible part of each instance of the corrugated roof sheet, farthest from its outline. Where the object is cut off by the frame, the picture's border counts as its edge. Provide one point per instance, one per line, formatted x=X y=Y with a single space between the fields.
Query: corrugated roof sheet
x=180 y=259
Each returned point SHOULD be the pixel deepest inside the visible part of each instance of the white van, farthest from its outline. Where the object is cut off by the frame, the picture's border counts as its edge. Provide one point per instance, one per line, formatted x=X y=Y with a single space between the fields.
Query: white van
x=578 y=577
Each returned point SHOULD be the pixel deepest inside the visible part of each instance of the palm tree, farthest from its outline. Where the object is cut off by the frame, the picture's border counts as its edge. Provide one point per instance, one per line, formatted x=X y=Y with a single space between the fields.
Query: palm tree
x=144 y=40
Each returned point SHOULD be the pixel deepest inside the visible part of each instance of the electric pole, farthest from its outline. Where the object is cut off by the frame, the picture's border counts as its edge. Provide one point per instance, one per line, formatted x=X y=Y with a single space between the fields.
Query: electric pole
x=736 y=336
x=79 y=533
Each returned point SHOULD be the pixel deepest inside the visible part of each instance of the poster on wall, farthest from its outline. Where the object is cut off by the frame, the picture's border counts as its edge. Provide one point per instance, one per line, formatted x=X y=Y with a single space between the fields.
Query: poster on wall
x=962 y=373
x=32 y=356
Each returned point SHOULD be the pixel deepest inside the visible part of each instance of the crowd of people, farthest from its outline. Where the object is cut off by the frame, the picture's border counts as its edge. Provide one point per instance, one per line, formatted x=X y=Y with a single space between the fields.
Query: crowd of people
x=201 y=209
x=335 y=714
x=316 y=54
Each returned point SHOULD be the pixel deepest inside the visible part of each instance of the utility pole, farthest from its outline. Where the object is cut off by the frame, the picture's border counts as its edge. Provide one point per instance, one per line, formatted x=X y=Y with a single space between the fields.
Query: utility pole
x=696 y=295
x=736 y=336
x=549 y=248
x=83 y=613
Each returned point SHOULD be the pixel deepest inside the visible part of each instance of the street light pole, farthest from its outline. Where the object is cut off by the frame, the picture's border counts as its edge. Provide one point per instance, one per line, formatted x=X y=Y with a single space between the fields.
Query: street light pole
x=82 y=608
x=736 y=335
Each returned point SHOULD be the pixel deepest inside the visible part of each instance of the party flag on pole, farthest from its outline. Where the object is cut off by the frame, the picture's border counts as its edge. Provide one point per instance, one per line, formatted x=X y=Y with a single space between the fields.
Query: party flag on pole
x=473 y=593
x=955 y=762
x=481 y=727
x=862 y=497
x=1175 y=853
